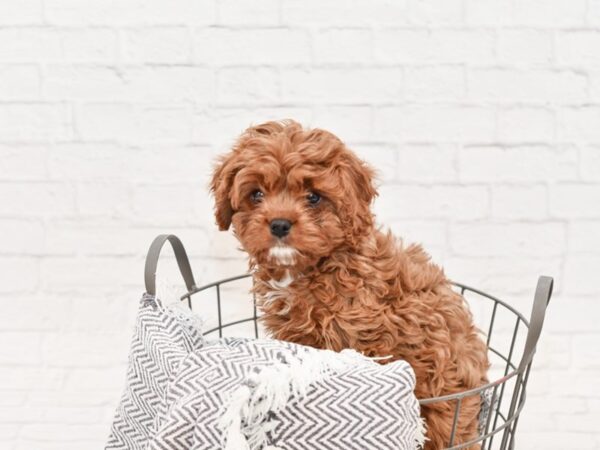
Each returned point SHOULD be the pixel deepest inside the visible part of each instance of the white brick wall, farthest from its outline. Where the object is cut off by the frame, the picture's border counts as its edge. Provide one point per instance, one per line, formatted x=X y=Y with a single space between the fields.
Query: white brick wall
x=482 y=117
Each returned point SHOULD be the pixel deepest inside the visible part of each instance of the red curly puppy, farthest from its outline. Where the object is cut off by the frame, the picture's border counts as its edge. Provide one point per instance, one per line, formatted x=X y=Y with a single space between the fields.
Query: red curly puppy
x=327 y=277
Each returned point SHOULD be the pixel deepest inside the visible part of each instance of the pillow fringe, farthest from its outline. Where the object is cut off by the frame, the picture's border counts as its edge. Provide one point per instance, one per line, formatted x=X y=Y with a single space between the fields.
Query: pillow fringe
x=245 y=424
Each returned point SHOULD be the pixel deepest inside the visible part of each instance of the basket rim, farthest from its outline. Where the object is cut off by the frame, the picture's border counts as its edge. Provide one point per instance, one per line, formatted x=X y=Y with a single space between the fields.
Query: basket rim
x=423 y=401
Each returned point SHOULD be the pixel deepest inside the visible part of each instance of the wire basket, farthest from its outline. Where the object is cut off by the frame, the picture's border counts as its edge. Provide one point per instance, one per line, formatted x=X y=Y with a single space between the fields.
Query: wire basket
x=511 y=340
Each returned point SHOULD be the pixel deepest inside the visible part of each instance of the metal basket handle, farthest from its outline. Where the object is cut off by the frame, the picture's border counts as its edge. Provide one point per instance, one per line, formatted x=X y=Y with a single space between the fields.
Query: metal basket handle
x=180 y=255
x=543 y=292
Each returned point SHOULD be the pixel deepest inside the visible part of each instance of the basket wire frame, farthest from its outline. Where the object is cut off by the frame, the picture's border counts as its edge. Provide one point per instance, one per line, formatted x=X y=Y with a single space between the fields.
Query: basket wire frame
x=499 y=429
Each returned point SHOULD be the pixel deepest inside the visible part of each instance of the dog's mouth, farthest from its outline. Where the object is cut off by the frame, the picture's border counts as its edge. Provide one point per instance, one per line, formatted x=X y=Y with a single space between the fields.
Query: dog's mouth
x=283 y=255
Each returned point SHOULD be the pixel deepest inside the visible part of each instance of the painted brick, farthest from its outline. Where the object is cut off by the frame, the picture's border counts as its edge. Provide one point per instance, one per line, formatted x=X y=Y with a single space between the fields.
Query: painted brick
x=83 y=83
x=176 y=203
x=8 y=432
x=350 y=13
x=460 y=202
x=566 y=315
x=106 y=121
x=89 y=45
x=77 y=161
x=573 y=200
x=349 y=123
x=594 y=79
x=439 y=46
x=105 y=311
x=520 y=164
x=556 y=440
x=25 y=311
x=19 y=82
x=81 y=349
x=248 y=85
x=420 y=123
x=22 y=162
x=488 y=12
x=593 y=16
x=155 y=124
x=108 y=162
x=520 y=202
x=93 y=237
x=156 y=45
x=98 y=273
x=39 y=199
x=516 y=85
x=523 y=124
x=222 y=46
x=427 y=163
x=26 y=353
x=103 y=198
x=580 y=273
x=23 y=237
x=586 y=354
x=584 y=236
x=51 y=432
x=578 y=422
x=30 y=379
x=578 y=48
x=34 y=121
x=436 y=13
x=511 y=239
x=152 y=84
x=341 y=86
x=130 y=12
x=221 y=126
x=172 y=84
x=234 y=13
x=556 y=404
x=346 y=46
x=28 y=12
x=554 y=13
x=589 y=163
x=31 y=45
x=579 y=124
x=525 y=47
x=430 y=234
x=382 y=157
x=435 y=83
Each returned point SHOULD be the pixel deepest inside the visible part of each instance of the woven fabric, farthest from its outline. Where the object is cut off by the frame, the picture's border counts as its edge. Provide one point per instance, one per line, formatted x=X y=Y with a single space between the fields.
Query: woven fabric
x=180 y=389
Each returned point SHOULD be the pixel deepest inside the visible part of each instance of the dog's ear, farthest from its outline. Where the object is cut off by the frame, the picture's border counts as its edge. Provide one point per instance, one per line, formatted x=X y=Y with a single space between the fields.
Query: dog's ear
x=221 y=185
x=356 y=179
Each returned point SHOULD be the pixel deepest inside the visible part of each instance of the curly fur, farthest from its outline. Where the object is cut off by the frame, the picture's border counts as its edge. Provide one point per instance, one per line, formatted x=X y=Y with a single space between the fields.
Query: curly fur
x=344 y=283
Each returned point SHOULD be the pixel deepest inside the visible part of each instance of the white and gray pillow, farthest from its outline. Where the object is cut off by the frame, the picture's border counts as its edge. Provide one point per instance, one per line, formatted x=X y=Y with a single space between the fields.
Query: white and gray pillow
x=184 y=392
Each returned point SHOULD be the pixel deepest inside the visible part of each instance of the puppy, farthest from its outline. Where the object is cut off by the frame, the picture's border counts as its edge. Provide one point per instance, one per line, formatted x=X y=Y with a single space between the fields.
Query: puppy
x=326 y=276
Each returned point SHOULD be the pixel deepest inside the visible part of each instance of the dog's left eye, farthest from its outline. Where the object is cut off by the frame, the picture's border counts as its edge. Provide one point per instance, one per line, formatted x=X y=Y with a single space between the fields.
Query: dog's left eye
x=256 y=196
x=313 y=198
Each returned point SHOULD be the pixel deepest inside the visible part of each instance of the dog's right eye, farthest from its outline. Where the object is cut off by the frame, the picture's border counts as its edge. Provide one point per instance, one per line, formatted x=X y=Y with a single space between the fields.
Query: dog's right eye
x=256 y=196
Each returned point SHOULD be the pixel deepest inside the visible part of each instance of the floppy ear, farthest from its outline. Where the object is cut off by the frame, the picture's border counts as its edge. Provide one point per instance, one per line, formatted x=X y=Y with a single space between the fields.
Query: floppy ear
x=356 y=179
x=220 y=186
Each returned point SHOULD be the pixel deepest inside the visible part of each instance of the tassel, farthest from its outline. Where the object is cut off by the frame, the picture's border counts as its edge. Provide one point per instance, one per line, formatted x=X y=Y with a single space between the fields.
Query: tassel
x=231 y=421
x=269 y=390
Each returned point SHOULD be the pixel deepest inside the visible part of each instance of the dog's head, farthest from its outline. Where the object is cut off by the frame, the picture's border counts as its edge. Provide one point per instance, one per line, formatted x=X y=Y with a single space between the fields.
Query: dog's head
x=293 y=195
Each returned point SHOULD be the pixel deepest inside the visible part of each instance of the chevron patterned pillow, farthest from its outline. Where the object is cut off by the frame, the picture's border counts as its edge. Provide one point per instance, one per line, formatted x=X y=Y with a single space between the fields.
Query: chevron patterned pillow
x=242 y=394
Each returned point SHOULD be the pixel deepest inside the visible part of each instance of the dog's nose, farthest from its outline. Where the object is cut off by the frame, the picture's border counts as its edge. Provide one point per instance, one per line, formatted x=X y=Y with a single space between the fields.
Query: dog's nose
x=280 y=227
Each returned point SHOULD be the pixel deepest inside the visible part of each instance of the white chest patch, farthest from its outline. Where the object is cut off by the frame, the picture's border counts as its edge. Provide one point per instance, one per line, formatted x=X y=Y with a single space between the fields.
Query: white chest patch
x=283 y=283
x=279 y=290
x=283 y=254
